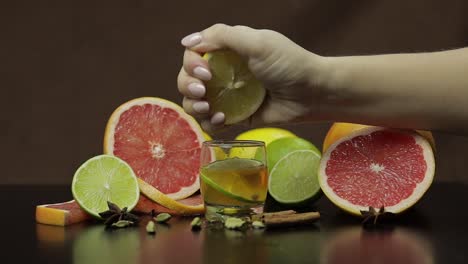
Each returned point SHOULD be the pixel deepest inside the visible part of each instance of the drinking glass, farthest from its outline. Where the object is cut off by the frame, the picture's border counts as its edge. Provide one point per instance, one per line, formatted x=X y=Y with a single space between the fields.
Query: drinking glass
x=233 y=178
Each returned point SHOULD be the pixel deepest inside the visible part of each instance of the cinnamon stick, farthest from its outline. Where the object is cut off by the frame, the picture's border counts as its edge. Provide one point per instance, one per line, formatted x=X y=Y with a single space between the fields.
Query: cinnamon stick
x=291 y=219
x=259 y=217
x=273 y=214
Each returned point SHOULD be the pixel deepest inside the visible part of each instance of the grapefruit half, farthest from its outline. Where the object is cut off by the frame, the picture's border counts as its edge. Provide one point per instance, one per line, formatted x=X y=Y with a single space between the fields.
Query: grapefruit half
x=377 y=167
x=160 y=142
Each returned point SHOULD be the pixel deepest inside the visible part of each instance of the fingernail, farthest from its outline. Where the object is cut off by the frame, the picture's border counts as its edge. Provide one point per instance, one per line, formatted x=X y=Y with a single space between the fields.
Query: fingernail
x=201 y=107
x=191 y=40
x=196 y=89
x=218 y=118
x=202 y=73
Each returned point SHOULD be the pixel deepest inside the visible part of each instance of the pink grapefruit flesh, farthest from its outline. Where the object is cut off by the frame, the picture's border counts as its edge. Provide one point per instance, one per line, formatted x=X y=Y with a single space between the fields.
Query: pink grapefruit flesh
x=161 y=143
x=377 y=167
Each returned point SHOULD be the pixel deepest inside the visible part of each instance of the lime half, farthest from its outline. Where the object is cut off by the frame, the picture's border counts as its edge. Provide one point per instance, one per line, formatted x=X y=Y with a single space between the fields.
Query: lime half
x=244 y=180
x=294 y=177
x=218 y=188
x=233 y=89
x=105 y=178
x=279 y=148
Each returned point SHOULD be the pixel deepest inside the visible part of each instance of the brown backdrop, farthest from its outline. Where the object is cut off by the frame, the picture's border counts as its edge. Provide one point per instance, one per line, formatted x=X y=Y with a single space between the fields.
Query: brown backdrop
x=66 y=65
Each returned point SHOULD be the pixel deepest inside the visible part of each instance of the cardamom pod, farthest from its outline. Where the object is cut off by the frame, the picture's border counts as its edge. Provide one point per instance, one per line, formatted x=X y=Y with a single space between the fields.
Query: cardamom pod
x=196 y=223
x=122 y=223
x=258 y=224
x=162 y=217
x=233 y=223
x=150 y=227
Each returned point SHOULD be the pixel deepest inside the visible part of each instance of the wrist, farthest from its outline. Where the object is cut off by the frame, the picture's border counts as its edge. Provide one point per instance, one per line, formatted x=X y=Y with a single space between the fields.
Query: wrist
x=325 y=80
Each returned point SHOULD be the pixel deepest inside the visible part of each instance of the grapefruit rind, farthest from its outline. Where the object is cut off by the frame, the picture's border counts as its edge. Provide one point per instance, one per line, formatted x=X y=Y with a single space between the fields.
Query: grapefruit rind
x=156 y=196
x=341 y=129
x=403 y=205
x=184 y=192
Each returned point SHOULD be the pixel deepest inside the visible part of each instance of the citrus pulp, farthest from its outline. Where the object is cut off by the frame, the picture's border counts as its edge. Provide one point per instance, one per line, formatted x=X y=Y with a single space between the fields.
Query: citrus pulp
x=279 y=148
x=293 y=179
x=160 y=142
x=233 y=89
x=377 y=167
x=105 y=178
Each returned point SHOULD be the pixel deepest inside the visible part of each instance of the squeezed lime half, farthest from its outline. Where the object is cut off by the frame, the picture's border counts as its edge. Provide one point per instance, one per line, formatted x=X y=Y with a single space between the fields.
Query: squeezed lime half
x=233 y=89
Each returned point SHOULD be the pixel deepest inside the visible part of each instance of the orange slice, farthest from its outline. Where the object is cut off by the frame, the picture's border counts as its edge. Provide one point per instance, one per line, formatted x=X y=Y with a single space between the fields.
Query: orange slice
x=61 y=214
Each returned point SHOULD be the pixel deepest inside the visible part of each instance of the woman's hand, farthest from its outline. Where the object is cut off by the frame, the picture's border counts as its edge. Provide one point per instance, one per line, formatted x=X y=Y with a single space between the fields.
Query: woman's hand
x=290 y=74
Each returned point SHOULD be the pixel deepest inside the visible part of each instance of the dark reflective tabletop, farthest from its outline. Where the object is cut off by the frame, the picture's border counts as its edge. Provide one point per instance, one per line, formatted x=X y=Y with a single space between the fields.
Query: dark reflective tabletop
x=434 y=231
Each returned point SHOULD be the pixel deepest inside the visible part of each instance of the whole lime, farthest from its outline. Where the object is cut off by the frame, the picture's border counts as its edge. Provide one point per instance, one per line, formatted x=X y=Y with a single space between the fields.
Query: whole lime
x=279 y=148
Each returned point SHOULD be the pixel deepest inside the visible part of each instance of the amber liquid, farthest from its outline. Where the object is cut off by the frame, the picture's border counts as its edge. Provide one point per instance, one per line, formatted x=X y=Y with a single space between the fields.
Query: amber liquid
x=234 y=183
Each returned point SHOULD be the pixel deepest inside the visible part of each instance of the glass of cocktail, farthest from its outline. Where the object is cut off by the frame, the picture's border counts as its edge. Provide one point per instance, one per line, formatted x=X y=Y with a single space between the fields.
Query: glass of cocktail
x=233 y=178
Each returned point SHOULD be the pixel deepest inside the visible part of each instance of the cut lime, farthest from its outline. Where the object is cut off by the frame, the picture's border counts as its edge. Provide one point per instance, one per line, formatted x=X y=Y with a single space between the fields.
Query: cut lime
x=233 y=89
x=215 y=186
x=105 y=178
x=244 y=180
x=279 y=148
x=294 y=177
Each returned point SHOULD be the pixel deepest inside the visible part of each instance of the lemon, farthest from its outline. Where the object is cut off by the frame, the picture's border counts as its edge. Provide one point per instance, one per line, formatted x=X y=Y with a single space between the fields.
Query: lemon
x=266 y=134
x=233 y=89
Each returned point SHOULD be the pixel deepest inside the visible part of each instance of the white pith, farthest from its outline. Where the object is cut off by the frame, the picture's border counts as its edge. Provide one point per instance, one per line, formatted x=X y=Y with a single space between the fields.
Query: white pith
x=157 y=150
x=184 y=192
x=418 y=192
x=236 y=85
x=375 y=167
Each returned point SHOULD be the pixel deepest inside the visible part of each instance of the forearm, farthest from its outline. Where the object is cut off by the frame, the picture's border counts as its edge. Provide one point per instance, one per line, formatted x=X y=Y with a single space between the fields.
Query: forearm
x=424 y=90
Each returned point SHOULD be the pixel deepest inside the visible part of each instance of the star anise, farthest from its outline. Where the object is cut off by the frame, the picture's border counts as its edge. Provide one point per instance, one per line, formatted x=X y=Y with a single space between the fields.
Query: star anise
x=371 y=216
x=115 y=214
